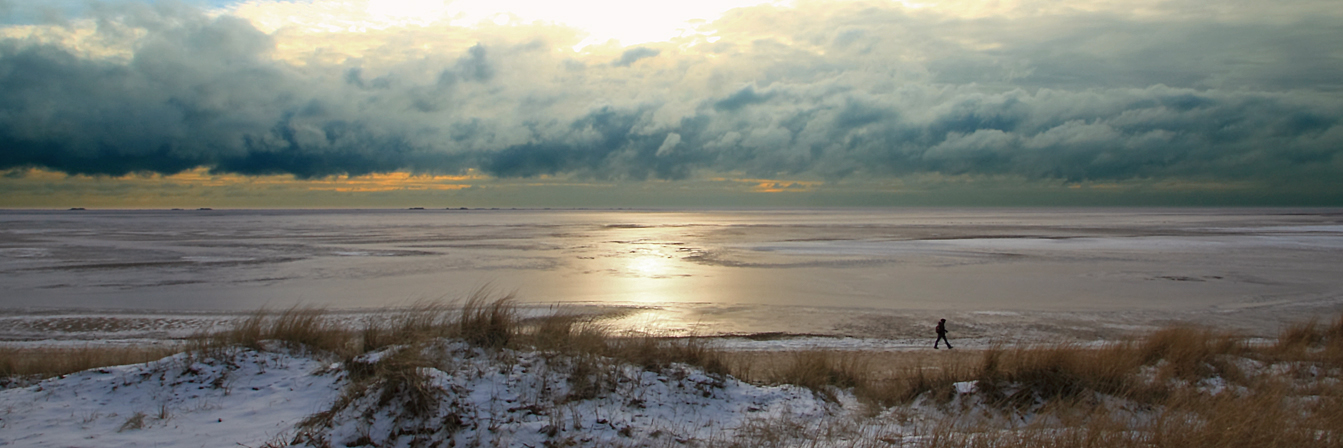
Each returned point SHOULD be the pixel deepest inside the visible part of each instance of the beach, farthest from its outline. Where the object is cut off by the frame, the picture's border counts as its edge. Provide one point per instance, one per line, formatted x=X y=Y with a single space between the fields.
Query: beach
x=999 y=275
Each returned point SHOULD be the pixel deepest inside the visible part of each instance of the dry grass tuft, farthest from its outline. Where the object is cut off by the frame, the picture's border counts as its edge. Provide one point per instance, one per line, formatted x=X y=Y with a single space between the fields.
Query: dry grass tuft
x=395 y=385
x=564 y=332
x=654 y=353
x=18 y=363
x=1257 y=420
x=590 y=376
x=1301 y=336
x=489 y=323
x=304 y=328
x=569 y=334
x=400 y=378
x=419 y=322
x=1190 y=353
x=1266 y=418
x=134 y=422
x=1311 y=340
x=821 y=371
x=933 y=377
x=1025 y=376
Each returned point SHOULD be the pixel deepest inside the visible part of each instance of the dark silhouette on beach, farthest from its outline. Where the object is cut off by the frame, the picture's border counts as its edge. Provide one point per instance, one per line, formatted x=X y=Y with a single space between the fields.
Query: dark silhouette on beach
x=942 y=334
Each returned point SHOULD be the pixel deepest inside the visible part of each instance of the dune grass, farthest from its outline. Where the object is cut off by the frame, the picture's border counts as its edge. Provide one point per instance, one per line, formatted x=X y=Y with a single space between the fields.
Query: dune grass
x=17 y=364
x=1177 y=387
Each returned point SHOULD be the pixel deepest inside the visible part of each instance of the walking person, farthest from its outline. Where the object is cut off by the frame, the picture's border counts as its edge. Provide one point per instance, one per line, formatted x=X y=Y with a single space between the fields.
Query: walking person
x=942 y=334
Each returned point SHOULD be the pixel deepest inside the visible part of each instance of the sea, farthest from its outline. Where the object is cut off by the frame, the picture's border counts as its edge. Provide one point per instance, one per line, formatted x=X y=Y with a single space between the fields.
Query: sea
x=1083 y=274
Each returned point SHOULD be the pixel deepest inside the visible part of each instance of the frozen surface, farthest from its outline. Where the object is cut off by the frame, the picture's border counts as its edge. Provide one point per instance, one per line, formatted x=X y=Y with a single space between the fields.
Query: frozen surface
x=1047 y=273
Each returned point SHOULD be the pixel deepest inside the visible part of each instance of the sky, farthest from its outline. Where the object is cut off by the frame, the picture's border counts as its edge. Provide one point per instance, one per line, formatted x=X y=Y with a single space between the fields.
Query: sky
x=360 y=103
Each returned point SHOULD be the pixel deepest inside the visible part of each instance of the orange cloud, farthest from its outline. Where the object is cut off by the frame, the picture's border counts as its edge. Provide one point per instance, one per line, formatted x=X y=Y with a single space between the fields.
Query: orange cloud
x=398 y=181
x=773 y=185
x=201 y=177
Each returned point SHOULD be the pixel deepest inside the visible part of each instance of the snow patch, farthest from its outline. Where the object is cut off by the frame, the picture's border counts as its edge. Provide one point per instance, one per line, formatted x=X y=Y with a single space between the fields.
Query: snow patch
x=241 y=397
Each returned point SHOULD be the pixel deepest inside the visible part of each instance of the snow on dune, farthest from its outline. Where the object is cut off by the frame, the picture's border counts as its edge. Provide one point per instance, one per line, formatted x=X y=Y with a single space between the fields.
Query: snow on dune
x=248 y=399
x=449 y=393
x=510 y=398
x=485 y=397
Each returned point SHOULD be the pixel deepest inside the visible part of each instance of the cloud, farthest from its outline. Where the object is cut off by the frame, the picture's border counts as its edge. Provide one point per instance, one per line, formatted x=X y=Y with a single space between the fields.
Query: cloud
x=669 y=144
x=840 y=92
x=474 y=66
x=742 y=98
x=633 y=55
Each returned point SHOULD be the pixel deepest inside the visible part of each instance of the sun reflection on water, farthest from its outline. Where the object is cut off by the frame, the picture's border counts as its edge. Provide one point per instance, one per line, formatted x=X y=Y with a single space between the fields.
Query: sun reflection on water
x=658 y=321
x=654 y=266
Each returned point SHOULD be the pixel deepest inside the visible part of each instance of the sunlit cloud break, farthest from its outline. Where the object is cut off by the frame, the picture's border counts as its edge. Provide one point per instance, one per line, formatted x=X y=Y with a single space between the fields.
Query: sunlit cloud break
x=827 y=95
x=629 y=23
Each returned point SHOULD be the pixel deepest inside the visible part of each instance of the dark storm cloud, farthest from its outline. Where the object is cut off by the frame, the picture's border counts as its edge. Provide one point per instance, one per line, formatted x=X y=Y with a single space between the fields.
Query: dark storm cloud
x=613 y=150
x=634 y=55
x=1159 y=132
x=474 y=66
x=1099 y=50
x=858 y=93
x=82 y=117
x=742 y=98
x=198 y=92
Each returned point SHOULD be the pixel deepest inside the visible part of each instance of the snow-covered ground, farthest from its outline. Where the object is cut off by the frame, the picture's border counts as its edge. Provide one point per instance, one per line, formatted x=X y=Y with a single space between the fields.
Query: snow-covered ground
x=248 y=399
x=448 y=393
x=243 y=397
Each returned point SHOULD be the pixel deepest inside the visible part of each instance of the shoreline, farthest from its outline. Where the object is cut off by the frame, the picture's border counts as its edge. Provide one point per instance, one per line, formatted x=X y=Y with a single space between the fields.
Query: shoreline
x=744 y=328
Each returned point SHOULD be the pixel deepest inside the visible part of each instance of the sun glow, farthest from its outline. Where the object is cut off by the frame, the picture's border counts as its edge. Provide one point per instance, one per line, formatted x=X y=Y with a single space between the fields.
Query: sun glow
x=602 y=21
x=648 y=266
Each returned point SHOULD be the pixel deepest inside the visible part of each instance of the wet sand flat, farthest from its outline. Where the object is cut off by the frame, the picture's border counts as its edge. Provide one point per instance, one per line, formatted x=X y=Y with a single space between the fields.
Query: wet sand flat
x=879 y=273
